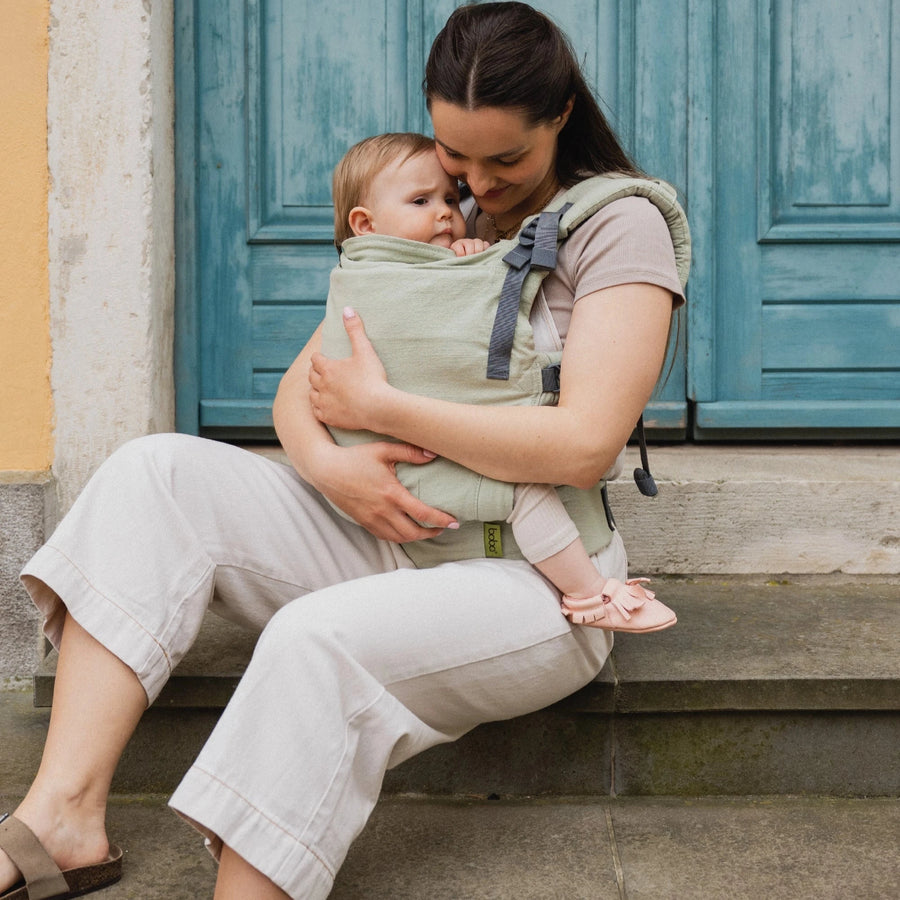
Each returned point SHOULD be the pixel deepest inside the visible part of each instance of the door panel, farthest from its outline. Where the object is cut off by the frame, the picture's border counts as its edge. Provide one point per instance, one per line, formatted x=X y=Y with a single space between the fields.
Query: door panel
x=283 y=91
x=803 y=319
x=653 y=97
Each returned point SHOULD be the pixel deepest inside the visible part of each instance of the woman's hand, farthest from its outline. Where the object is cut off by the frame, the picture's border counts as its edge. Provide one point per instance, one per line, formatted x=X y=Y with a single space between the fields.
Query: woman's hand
x=345 y=392
x=362 y=481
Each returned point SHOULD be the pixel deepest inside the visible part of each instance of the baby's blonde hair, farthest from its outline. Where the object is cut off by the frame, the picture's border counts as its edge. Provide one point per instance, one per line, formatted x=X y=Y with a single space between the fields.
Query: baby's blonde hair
x=354 y=174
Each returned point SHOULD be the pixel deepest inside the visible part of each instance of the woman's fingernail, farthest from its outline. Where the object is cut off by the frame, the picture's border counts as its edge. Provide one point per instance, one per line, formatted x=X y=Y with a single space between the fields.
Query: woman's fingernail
x=453 y=526
x=349 y=312
x=429 y=454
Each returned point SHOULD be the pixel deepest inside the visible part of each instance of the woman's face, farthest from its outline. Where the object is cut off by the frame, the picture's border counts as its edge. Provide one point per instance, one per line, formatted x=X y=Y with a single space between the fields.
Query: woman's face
x=508 y=163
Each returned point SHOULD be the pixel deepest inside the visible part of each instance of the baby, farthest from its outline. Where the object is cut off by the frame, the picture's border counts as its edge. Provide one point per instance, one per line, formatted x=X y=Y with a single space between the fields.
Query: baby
x=394 y=185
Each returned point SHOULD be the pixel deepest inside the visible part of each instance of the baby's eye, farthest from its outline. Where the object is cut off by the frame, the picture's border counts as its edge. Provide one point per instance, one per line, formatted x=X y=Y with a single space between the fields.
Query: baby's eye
x=451 y=200
x=420 y=201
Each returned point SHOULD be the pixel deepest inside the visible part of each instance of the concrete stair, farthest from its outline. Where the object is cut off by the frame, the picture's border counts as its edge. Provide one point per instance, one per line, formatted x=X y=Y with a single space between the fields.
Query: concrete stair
x=765 y=687
x=751 y=751
x=637 y=848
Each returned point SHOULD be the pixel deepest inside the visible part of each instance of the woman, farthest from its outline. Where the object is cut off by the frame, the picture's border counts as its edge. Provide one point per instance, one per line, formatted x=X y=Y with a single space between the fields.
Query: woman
x=363 y=660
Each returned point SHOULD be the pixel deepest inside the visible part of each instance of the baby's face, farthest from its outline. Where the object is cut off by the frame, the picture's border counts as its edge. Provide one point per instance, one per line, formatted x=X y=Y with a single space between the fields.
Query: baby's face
x=417 y=200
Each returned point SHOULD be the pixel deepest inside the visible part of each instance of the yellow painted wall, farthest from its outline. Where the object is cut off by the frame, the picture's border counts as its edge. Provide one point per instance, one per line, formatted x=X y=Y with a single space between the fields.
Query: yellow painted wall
x=26 y=406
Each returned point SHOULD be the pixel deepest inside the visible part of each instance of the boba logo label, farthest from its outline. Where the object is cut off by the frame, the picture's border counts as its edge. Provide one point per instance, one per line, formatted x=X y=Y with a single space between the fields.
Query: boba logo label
x=493 y=544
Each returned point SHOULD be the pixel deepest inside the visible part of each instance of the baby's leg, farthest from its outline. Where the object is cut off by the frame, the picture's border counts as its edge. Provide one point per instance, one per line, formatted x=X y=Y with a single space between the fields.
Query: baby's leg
x=549 y=540
x=572 y=571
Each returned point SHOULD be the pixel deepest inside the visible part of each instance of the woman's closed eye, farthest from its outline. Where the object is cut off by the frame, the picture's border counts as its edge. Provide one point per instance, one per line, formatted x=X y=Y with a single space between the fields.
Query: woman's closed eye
x=453 y=154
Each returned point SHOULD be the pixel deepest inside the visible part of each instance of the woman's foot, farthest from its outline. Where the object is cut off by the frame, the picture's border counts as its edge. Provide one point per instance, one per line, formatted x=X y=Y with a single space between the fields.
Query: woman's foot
x=627 y=606
x=72 y=839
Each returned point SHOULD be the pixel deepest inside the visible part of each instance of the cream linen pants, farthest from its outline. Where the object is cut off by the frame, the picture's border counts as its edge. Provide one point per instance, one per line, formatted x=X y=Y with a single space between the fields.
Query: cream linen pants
x=363 y=660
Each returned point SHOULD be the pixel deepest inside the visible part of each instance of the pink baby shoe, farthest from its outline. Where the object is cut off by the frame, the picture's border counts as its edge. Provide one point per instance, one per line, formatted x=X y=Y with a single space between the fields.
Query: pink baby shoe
x=620 y=607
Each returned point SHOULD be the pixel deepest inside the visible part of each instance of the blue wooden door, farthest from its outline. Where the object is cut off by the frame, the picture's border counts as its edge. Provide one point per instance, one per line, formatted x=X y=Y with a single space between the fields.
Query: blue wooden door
x=795 y=142
x=776 y=119
x=270 y=93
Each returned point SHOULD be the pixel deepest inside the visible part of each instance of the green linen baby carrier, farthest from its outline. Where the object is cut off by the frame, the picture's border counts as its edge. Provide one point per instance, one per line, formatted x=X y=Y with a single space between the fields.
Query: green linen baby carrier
x=457 y=328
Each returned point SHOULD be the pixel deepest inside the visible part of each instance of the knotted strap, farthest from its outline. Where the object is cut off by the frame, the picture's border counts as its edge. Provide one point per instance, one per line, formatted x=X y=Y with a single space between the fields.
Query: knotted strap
x=626 y=597
x=536 y=248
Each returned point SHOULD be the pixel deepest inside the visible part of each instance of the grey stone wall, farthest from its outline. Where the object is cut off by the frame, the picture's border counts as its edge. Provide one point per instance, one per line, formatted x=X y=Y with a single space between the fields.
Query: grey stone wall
x=21 y=533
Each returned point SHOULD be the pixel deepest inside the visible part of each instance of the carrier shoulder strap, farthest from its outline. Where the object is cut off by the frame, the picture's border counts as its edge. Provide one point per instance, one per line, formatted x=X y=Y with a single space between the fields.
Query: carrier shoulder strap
x=592 y=194
x=539 y=240
x=537 y=248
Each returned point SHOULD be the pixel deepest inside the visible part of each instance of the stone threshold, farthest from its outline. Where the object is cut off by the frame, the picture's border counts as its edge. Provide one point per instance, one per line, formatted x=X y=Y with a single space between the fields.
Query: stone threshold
x=749 y=508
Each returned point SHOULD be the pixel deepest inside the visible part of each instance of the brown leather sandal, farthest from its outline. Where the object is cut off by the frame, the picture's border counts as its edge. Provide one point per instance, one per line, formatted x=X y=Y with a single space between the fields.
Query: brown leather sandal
x=43 y=878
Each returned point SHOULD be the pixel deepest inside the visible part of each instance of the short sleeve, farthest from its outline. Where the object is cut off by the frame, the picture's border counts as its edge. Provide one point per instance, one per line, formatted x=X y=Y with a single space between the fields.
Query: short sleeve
x=626 y=242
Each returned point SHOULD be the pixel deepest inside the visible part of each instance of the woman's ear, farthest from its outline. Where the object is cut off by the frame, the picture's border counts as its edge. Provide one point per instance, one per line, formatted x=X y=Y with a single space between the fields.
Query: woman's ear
x=563 y=117
x=361 y=221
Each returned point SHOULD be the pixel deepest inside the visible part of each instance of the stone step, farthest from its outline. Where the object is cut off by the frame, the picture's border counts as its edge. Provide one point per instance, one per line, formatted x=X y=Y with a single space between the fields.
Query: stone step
x=734 y=508
x=578 y=848
x=765 y=686
x=801 y=509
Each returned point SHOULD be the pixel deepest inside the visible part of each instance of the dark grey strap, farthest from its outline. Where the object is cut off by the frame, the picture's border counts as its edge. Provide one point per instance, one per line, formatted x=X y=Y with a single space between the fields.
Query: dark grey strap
x=550 y=378
x=604 y=496
x=536 y=248
x=642 y=478
x=42 y=876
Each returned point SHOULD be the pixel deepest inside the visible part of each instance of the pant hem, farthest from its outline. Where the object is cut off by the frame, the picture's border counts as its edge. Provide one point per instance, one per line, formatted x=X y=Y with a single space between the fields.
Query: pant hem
x=223 y=816
x=50 y=575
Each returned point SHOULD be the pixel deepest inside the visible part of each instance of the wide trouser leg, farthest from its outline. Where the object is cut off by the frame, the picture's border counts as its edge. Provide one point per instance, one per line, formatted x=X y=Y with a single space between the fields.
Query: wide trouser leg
x=171 y=525
x=352 y=680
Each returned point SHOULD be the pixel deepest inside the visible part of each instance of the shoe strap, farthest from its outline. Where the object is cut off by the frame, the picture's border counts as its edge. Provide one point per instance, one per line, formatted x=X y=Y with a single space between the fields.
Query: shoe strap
x=43 y=877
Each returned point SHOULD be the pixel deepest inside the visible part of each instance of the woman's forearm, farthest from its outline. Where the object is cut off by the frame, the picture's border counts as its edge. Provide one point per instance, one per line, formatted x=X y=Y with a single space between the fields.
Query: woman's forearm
x=607 y=377
x=301 y=434
x=541 y=444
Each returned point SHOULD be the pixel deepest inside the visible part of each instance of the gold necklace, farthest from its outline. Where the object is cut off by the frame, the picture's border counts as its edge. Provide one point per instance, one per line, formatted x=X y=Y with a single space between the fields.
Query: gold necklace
x=506 y=233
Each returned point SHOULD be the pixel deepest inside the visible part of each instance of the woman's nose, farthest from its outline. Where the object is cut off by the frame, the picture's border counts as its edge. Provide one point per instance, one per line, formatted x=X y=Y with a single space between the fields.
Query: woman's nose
x=479 y=182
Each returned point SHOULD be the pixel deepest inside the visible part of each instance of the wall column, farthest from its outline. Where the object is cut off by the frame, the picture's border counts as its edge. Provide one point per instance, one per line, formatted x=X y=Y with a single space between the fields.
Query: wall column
x=111 y=230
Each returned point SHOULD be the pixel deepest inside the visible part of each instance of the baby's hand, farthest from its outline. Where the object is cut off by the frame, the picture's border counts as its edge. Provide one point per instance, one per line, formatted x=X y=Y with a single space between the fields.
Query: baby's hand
x=469 y=246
